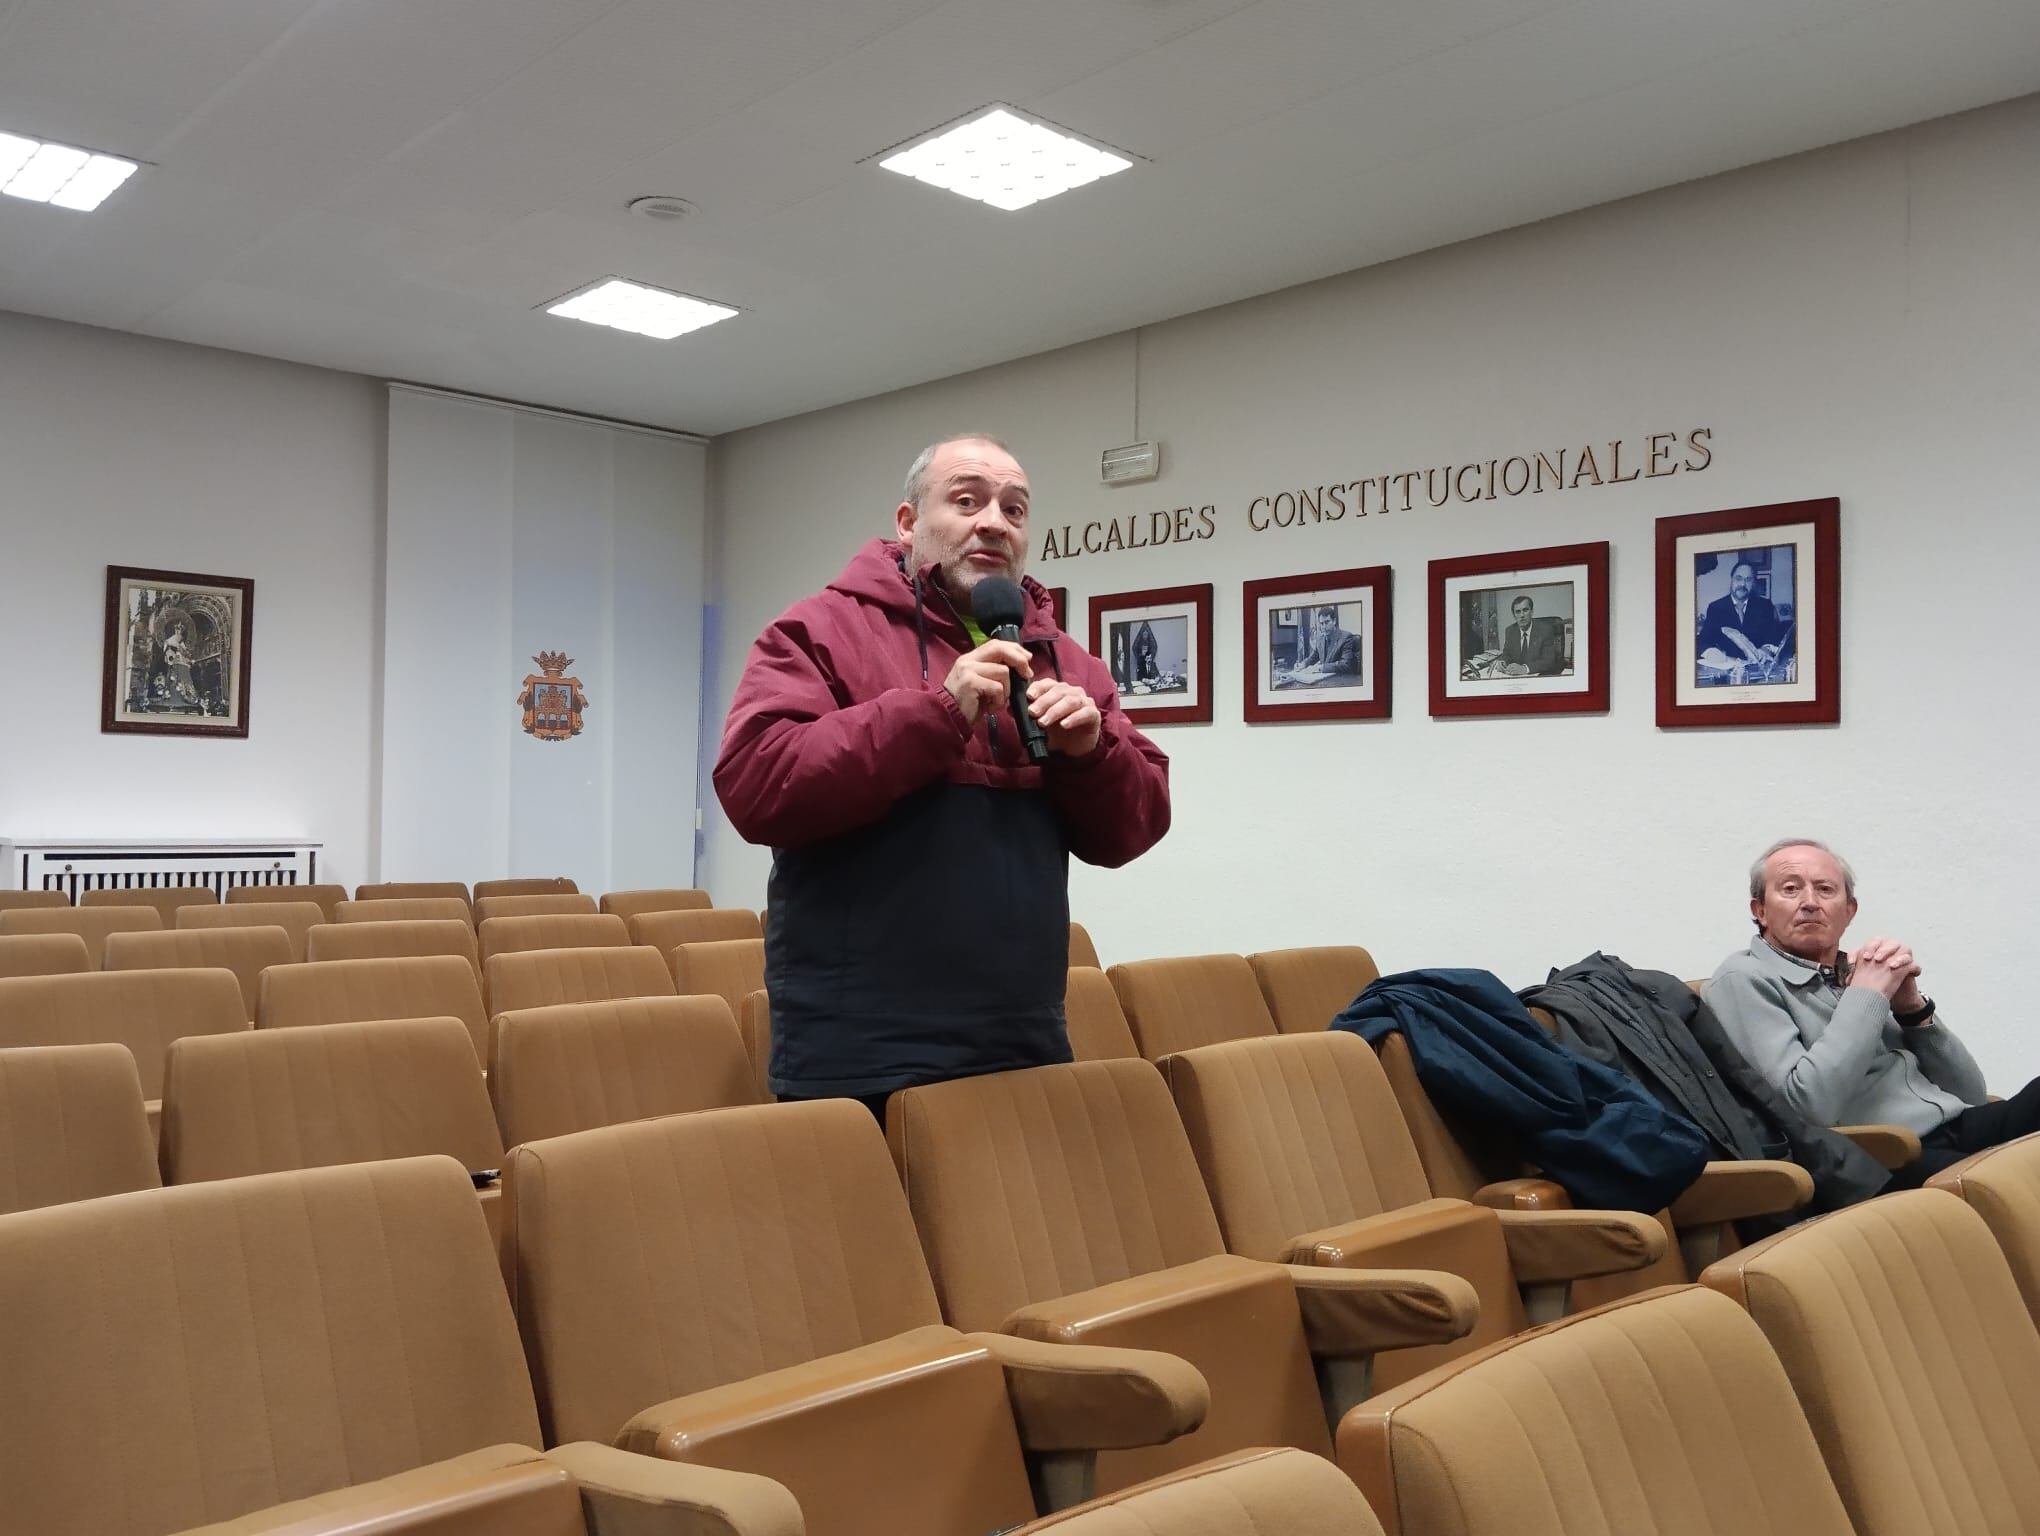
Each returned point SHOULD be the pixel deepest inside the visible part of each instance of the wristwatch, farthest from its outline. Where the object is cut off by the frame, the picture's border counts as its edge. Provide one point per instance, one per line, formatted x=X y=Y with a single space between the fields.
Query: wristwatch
x=1917 y=1017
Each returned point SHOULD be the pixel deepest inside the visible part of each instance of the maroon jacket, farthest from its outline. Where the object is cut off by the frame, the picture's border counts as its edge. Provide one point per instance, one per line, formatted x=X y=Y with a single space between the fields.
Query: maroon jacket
x=896 y=828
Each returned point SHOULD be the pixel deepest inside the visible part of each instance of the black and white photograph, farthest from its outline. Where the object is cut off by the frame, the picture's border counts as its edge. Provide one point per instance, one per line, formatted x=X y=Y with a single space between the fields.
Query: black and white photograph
x=1157 y=646
x=1316 y=646
x=1516 y=631
x=1746 y=629
x=1150 y=655
x=1520 y=632
x=177 y=653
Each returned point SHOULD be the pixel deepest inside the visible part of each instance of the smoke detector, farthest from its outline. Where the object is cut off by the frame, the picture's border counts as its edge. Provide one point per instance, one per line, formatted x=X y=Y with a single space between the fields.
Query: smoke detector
x=668 y=210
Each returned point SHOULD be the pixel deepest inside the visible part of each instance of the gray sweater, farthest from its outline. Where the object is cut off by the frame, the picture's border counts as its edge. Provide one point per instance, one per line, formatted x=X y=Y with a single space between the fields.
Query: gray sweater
x=1837 y=1053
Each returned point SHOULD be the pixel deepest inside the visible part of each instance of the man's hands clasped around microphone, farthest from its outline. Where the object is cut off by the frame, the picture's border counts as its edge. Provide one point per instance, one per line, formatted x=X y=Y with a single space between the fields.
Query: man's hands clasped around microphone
x=979 y=683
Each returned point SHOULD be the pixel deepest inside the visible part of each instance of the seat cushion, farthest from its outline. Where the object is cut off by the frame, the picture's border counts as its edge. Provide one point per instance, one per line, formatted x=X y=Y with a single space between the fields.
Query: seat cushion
x=1190 y=1000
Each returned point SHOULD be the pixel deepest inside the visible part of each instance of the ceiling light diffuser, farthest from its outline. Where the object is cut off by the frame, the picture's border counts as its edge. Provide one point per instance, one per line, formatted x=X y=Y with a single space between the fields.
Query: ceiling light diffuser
x=57 y=174
x=1002 y=158
x=643 y=311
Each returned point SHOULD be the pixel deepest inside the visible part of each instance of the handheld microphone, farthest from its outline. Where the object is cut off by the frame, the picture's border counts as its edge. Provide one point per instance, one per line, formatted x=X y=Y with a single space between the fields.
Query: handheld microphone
x=998 y=605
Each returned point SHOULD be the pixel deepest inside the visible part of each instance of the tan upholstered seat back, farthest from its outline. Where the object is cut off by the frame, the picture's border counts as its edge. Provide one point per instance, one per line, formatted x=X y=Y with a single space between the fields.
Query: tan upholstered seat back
x=667 y=931
x=164 y=900
x=394 y=941
x=540 y=978
x=405 y=909
x=142 y=1010
x=92 y=924
x=1250 y=1493
x=730 y=969
x=72 y=1126
x=558 y=903
x=326 y=897
x=1905 y=1336
x=2002 y=1186
x=754 y=1023
x=18 y=901
x=187 y=1355
x=551 y=885
x=581 y=1065
x=1663 y=1415
x=1450 y=1165
x=673 y=1255
x=1097 y=1028
x=1188 y=1001
x=296 y=918
x=275 y=1099
x=1082 y=951
x=357 y=991
x=1307 y=988
x=1294 y=1133
x=583 y=930
x=628 y=904
x=412 y=890
x=247 y=952
x=1026 y=1186
x=43 y=954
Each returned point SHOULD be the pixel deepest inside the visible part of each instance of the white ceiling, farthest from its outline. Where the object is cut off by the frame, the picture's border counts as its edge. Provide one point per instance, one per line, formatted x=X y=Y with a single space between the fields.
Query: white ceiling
x=392 y=186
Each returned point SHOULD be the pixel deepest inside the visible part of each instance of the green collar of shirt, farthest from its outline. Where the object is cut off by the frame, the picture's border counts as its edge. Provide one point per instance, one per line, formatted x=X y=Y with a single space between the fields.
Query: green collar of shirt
x=970 y=627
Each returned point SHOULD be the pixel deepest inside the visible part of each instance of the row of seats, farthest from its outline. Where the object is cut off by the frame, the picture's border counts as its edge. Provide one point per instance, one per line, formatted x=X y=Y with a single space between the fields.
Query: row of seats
x=168 y=898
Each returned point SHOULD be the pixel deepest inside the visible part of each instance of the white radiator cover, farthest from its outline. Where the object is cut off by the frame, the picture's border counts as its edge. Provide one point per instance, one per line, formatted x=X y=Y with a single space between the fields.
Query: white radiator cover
x=74 y=865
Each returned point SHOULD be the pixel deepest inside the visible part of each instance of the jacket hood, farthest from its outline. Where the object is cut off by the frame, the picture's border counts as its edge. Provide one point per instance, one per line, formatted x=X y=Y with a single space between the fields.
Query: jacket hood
x=877 y=574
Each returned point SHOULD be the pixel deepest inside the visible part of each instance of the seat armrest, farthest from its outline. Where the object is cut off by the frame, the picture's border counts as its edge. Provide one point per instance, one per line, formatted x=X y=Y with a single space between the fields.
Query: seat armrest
x=1892 y=1145
x=1069 y=1397
x=1732 y=1191
x=1410 y=1237
x=1523 y=1195
x=627 y=1495
x=1553 y=1246
x=1349 y=1312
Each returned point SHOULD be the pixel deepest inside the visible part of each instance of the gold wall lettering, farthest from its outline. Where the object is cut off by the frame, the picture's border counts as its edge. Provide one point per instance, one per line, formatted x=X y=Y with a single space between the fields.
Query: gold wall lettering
x=1136 y=530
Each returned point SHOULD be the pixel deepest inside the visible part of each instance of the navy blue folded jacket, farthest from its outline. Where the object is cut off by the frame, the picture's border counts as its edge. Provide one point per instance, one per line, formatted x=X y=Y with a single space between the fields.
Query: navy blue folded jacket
x=1482 y=1059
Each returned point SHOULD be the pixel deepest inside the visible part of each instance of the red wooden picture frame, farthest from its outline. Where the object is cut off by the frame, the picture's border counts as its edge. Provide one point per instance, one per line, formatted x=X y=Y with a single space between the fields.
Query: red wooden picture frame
x=1676 y=652
x=1059 y=605
x=1323 y=584
x=1591 y=697
x=1197 y=599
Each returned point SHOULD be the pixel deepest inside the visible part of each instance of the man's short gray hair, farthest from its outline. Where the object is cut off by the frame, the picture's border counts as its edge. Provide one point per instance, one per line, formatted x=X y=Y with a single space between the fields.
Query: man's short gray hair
x=1764 y=858
x=917 y=472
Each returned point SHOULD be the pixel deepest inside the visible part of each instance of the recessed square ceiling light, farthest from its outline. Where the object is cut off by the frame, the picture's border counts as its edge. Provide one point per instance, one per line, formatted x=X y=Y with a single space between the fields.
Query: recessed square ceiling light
x=628 y=306
x=57 y=174
x=999 y=157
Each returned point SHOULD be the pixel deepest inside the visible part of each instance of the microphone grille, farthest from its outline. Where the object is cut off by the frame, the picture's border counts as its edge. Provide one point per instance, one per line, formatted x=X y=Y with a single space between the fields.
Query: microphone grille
x=996 y=601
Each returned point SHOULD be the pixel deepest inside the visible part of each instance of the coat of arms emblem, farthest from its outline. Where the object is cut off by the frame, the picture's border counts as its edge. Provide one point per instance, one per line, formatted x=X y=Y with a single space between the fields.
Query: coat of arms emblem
x=552 y=703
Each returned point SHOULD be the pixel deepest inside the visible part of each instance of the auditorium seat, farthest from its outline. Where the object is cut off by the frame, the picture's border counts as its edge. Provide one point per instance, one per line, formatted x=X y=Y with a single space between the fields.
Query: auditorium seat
x=328 y=897
x=576 y=1066
x=142 y=1010
x=43 y=954
x=414 y=890
x=1063 y=1204
x=1662 y=1415
x=551 y=885
x=296 y=918
x=1307 y=1161
x=1907 y=1341
x=2002 y=1185
x=574 y=930
x=361 y=991
x=540 y=978
x=731 y=969
x=16 y=901
x=754 y=1024
x=628 y=904
x=394 y=940
x=247 y=952
x=1190 y=1000
x=1306 y=989
x=1082 y=951
x=162 y=899
x=487 y=907
x=331 y=1348
x=1252 y=1493
x=742 y=1287
x=72 y=1127
x=1097 y=1027
x=406 y=909
x=92 y=924
x=667 y=931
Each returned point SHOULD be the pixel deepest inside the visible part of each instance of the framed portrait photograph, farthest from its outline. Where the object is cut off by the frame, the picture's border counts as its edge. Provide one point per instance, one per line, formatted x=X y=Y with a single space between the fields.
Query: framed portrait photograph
x=1157 y=645
x=177 y=648
x=1749 y=616
x=1524 y=632
x=1317 y=646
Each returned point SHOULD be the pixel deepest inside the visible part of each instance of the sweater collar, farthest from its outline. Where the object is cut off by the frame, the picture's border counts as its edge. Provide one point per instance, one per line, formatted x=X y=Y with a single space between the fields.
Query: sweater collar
x=1794 y=971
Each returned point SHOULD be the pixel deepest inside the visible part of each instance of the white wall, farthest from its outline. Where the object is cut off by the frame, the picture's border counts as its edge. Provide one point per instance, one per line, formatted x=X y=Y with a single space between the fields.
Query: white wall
x=118 y=450
x=1861 y=322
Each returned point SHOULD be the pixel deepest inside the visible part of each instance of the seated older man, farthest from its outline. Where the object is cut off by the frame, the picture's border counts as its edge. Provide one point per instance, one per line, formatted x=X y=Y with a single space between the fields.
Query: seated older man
x=1851 y=1039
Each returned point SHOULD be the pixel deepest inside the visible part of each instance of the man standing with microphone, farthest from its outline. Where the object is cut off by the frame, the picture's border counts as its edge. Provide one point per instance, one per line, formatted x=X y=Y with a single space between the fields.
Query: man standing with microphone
x=922 y=782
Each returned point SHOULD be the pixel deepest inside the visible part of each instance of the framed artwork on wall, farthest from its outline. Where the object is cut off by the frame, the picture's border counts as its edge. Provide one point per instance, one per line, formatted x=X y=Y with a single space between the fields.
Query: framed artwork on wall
x=1749 y=616
x=1157 y=645
x=177 y=651
x=1317 y=646
x=1059 y=603
x=1522 y=632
